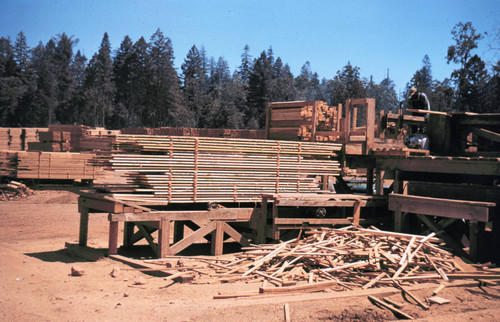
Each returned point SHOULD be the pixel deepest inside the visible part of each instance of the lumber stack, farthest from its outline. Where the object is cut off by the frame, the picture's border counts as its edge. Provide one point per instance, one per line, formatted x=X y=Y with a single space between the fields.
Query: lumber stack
x=300 y=120
x=55 y=165
x=8 y=161
x=17 y=139
x=184 y=131
x=194 y=169
x=51 y=141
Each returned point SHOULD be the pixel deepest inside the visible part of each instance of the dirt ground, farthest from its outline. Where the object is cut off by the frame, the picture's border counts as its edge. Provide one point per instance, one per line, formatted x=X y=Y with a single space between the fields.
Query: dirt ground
x=36 y=284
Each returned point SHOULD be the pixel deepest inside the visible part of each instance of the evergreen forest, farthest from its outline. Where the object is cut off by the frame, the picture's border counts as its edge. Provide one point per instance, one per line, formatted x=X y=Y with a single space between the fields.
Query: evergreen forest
x=138 y=85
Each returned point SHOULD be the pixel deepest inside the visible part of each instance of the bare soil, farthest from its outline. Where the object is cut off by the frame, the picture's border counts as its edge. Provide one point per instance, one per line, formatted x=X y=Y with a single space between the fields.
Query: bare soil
x=36 y=282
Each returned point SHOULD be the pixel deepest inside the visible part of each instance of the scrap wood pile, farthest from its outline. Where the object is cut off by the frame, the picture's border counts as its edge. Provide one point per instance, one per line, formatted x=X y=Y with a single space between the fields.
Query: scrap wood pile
x=338 y=259
x=174 y=169
x=301 y=120
x=14 y=190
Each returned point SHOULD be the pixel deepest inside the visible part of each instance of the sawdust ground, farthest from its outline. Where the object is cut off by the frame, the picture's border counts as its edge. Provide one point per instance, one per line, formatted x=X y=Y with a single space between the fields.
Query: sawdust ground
x=36 y=282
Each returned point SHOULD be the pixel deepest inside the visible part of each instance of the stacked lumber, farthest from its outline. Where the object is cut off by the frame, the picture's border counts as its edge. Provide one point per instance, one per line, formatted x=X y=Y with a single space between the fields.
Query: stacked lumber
x=17 y=139
x=184 y=131
x=51 y=141
x=54 y=165
x=338 y=259
x=76 y=133
x=301 y=120
x=195 y=169
x=8 y=161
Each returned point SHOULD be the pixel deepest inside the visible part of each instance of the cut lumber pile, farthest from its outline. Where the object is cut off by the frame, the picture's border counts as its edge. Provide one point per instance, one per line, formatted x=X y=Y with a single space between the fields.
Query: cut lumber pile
x=17 y=139
x=56 y=165
x=8 y=162
x=14 y=190
x=184 y=131
x=195 y=169
x=51 y=141
x=302 y=120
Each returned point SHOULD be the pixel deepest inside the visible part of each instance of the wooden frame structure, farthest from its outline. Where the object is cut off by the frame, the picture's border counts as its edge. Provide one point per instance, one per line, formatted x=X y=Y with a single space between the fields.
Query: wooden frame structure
x=326 y=200
x=215 y=222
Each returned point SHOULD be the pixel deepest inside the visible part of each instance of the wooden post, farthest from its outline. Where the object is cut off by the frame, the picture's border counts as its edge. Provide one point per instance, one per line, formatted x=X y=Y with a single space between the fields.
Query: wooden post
x=354 y=118
x=128 y=232
x=113 y=238
x=262 y=222
x=314 y=121
x=369 y=181
x=347 y=120
x=276 y=232
x=164 y=238
x=379 y=181
x=218 y=238
x=370 y=124
x=475 y=240
x=397 y=187
x=356 y=212
x=84 y=226
x=339 y=117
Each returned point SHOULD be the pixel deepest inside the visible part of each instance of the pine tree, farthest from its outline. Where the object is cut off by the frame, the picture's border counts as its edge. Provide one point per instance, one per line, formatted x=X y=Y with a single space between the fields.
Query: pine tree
x=122 y=69
x=99 y=87
x=245 y=68
x=66 y=82
x=194 y=87
x=165 y=100
x=259 y=91
x=347 y=84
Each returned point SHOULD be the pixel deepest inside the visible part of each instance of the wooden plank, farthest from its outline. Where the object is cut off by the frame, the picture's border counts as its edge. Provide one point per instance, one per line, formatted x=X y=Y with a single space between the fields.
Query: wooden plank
x=299 y=288
x=313 y=221
x=490 y=135
x=459 y=209
x=229 y=214
x=396 y=311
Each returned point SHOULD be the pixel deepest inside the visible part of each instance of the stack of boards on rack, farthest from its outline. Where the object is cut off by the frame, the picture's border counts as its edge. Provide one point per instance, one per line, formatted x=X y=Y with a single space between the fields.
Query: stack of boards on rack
x=302 y=121
x=175 y=169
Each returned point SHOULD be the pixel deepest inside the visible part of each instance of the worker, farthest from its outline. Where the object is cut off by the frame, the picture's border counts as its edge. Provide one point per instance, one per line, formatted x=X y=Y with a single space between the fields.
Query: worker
x=419 y=101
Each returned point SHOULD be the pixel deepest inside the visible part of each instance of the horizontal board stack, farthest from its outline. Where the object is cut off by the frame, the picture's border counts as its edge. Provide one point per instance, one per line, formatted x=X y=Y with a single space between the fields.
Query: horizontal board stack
x=184 y=131
x=172 y=169
x=17 y=139
x=8 y=160
x=76 y=132
x=51 y=141
x=57 y=166
x=301 y=120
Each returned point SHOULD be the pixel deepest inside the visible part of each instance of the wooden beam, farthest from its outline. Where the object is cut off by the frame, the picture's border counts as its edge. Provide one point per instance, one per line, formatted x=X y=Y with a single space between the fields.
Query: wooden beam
x=218 y=239
x=459 y=209
x=490 y=135
x=229 y=214
x=113 y=238
x=164 y=238
x=236 y=235
x=84 y=226
x=148 y=237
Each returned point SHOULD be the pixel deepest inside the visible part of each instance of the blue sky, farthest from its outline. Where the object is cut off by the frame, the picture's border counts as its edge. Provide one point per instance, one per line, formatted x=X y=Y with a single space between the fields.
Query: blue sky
x=373 y=35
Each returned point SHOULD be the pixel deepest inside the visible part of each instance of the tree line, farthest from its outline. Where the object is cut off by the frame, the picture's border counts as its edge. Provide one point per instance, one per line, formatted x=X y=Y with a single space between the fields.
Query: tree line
x=137 y=85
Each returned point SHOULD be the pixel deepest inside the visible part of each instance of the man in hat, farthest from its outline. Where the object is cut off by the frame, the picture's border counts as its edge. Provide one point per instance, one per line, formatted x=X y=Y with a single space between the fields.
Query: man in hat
x=419 y=101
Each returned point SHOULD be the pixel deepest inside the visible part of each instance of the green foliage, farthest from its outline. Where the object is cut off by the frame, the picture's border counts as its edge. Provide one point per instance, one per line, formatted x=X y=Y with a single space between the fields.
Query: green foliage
x=139 y=86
